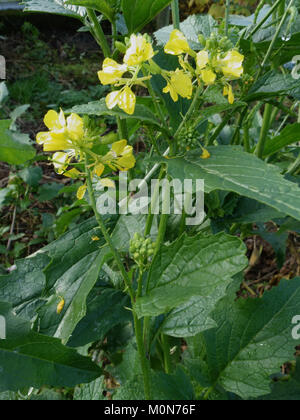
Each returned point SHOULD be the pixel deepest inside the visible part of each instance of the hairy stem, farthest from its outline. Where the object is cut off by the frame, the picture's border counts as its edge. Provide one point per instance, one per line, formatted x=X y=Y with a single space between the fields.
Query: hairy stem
x=259 y=151
x=105 y=232
x=175 y=14
x=98 y=33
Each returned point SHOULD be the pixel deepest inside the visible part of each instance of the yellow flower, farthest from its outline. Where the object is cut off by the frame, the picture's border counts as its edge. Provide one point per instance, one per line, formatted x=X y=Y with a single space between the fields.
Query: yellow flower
x=61 y=161
x=73 y=173
x=180 y=84
x=111 y=72
x=124 y=98
x=81 y=192
x=99 y=169
x=95 y=238
x=75 y=128
x=232 y=65
x=205 y=154
x=52 y=141
x=208 y=77
x=120 y=156
x=202 y=59
x=177 y=44
x=229 y=92
x=61 y=132
x=140 y=50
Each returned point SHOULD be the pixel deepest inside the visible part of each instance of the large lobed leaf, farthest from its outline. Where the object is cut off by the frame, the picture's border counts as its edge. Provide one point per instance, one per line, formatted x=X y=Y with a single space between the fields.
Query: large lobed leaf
x=191 y=27
x=14 y=147
x=289 y=135
x=253 y=339
x=231 y=169
x=99 y=108
x=102 y=6
x=138 y=13
x=30 y=359
x=191 y=266
x=57 y=7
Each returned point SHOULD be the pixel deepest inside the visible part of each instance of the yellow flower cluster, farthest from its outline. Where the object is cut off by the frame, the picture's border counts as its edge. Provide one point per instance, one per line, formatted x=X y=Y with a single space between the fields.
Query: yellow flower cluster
x=139 y=51
x=68 y=138
x=209 y=65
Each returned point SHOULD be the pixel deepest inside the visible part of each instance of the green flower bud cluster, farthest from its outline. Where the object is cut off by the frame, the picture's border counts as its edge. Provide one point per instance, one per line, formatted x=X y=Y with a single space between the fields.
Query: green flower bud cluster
x=216 y=43
x=188 y=140
x=142 y=250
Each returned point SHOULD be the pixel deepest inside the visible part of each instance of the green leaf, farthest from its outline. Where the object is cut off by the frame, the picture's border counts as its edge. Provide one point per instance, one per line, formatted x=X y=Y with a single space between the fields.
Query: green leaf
x=289 y=135
x=99 y=108
x=251 y=211
x=217 y=109
x=253 y=339
x=101 y=6
x=286 y=389
x=25 y=284
x=105 y=310
x=231 y=169
x=138 y=13
x=57 y=7
x=14 y=147
x=74 y=270
x=272 y=84
x=191 y=27
x=74 y=286
x=165 y=387
x=191 y=266
x=91 y=392
x=49 y=191
x=192 y=317
x=32 y=175
x=30 y=359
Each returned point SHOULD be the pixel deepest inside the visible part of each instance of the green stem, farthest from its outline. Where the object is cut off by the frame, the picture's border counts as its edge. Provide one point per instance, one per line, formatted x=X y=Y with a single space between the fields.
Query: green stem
x=246 y=138
x=137 y=323
x=143 y=360
x=279 y=27
x=227 y=12
x=166 y=350
x=122 y=129
x=259 y=151
x=218 y=130
x=265 y=18
x=175 y=14
x=294 y=166
x=105 y=232
x=98 y=33
x=281 y=8
x=258 y=9
x=157 y=106
x=161 y=232
x=190 y=111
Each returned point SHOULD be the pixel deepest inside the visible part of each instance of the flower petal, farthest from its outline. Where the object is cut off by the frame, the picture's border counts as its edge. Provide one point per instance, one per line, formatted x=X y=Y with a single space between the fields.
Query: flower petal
x=75 y=127
x=127 y=100
x=81 y=192
x=112 y=99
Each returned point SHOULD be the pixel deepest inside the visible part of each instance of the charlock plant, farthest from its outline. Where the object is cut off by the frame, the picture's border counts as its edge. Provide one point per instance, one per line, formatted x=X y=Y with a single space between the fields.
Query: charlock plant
x=197 y=91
